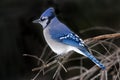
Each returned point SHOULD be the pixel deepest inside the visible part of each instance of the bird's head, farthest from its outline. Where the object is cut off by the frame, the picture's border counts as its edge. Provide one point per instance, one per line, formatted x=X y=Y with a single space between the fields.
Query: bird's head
x=46 y=17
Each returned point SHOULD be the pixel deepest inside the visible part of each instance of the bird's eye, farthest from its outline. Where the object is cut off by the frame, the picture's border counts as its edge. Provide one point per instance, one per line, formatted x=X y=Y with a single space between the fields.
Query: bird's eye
x=43 y=18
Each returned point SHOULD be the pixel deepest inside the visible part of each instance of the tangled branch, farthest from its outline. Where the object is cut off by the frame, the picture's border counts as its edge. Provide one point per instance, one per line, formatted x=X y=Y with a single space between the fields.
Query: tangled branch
x=109 y=61
x=93 y=39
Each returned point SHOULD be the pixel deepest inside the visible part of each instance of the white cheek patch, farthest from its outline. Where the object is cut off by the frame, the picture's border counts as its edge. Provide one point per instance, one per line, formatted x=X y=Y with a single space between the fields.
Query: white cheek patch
x=44 y=23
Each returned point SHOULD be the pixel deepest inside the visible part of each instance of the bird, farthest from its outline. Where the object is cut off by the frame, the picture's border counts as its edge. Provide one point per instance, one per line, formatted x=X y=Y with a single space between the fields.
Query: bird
x=61 y=39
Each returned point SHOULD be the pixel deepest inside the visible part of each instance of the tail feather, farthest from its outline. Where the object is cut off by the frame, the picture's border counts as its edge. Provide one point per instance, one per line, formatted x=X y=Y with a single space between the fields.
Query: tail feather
x=91 y=57
x=98 y=63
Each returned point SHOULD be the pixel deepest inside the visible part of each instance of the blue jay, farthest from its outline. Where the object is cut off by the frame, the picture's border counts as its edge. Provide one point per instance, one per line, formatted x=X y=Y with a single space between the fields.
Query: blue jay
x=60 y=38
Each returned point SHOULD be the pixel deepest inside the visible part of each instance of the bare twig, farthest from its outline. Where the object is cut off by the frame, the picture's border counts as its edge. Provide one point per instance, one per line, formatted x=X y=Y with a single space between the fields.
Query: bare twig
x=101 y=37
x=104 y=75
x=108 y=61
x=33 y=56
x=45 y=66
x=108 y=65
x=62 y=66
x=106 y=36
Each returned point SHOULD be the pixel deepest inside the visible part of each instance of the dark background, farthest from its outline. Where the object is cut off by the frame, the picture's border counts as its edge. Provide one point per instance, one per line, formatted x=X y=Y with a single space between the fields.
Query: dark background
x=18 y=35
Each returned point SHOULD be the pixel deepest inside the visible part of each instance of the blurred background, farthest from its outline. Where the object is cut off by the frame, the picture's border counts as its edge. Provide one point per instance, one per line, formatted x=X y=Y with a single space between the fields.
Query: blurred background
x=18 y=35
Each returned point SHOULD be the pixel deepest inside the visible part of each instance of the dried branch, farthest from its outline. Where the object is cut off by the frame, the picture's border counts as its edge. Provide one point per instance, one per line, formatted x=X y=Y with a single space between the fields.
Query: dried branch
x=97 y=38
x=109 y=61
x=101 y=37
x=108 y=65
x=45 y=65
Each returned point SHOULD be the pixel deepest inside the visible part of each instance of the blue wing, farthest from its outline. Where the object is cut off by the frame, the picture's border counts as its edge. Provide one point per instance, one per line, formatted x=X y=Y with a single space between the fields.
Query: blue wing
x=66 y=36
x=58 y=30
x=63 y=34
x=73 y=40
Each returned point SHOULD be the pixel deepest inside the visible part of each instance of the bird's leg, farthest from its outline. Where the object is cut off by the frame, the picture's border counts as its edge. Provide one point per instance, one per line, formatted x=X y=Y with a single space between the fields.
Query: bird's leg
x=60 y=60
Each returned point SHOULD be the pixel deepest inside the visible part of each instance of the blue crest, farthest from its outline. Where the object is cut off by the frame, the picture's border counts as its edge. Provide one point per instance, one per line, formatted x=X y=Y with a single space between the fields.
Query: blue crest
x=48 y=13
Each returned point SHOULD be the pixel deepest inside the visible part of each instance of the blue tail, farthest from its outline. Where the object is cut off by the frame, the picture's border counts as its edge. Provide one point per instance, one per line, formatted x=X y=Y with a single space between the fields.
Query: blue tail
x=91 y=57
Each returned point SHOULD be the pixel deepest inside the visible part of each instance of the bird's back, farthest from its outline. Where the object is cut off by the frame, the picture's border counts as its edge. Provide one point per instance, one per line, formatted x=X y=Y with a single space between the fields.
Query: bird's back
x=52 y=34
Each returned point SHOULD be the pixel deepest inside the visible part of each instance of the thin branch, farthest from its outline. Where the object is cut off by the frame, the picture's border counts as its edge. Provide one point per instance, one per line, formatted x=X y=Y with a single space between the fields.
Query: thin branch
x=45 y=66
x=112 y=57
x=62 y=66
x=108 y=65
x=104 y=75
x=39 y=59
x=97 y=38
x=101 y=37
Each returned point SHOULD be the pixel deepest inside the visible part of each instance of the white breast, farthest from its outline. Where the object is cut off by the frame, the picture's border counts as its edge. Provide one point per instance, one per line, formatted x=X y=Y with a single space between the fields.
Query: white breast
x=57 y=47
